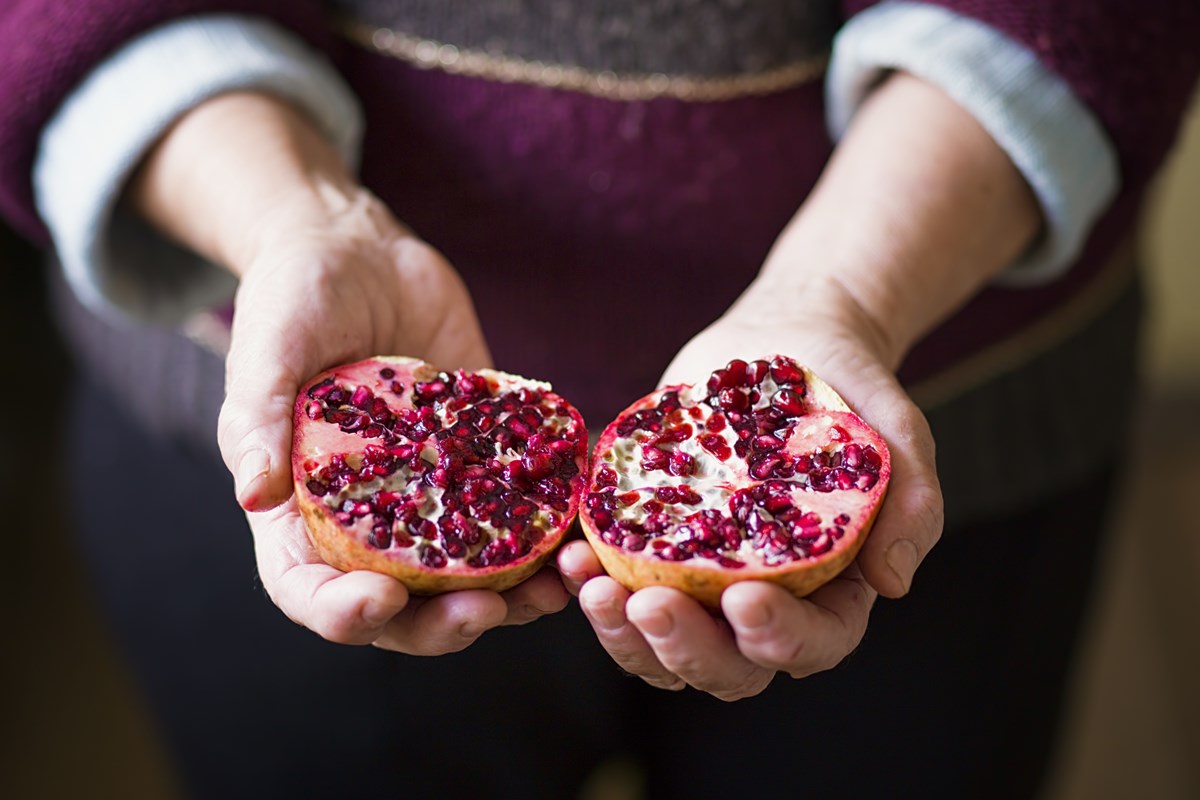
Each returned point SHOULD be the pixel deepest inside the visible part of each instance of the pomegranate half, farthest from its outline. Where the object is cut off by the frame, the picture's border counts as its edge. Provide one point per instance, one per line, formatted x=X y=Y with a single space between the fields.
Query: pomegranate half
x=763 y=474
x=443 y=480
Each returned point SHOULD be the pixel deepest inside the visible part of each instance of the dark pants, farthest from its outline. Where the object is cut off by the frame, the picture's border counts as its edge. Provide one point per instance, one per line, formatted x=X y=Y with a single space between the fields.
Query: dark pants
x=954 y=693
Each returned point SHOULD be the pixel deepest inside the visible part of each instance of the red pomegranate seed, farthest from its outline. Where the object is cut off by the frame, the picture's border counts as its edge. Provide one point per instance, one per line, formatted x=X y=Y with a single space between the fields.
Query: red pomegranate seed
x=654 y=459
x=785 y=371
x=789 y=402
x=756 y=371
x=732 y=399
x=682 y=464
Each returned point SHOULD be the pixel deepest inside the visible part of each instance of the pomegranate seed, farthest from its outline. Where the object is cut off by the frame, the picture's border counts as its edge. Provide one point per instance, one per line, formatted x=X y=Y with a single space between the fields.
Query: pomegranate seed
x=786 y=371
x=606 y=476
x=767 y=442
x=761 y=469
x=716 y=445
x=866 y=480
x=720 y=379
x=842 y=519
x=777 y=503
x=634 y=541
x=380 y=536
x=852 y=456
x=433 y=557
x=654 y=459
x=732 y=399
x=756 y=371
x=789 y=402
x=807 y=533
x=666 y=494
x=321 y=389
x=537 y=465
x=682 y=464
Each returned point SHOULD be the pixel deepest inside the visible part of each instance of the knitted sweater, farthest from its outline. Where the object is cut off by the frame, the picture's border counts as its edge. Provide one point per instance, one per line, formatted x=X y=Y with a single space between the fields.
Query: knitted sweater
x=608 y=176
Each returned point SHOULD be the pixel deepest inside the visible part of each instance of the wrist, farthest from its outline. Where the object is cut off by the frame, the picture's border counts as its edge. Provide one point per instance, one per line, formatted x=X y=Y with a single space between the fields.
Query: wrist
x=783 y=296
x=237 y=171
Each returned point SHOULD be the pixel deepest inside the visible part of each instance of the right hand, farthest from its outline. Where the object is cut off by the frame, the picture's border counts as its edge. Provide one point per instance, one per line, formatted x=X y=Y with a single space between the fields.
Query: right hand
x=328 y=276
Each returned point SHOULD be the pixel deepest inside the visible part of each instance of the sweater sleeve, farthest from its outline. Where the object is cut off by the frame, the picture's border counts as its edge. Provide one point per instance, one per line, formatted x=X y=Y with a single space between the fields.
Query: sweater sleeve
x=1119 y=74
x=47 y=48
x=113 y=260
x=1051 y=137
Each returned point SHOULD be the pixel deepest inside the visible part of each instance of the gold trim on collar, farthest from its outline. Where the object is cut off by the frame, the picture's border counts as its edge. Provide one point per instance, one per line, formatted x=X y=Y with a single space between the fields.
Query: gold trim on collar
x=430 y=54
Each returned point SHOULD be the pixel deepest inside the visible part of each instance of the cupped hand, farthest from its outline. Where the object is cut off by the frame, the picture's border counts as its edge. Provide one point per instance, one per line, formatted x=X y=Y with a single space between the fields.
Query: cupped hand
x=320 y=290
x=670 y=640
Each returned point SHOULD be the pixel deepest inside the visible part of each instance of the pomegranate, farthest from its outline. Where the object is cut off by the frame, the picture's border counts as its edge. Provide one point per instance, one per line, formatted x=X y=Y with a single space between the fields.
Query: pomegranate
x=763 y=474
x=443 y=480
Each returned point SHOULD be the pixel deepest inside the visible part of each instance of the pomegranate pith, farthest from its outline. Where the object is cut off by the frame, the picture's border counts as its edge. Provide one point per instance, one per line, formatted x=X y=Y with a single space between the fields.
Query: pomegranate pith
x=443 y=480
x=764 y=473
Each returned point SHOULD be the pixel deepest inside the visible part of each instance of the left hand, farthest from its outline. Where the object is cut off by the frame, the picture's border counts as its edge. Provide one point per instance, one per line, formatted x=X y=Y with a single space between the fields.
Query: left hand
x=670 y=640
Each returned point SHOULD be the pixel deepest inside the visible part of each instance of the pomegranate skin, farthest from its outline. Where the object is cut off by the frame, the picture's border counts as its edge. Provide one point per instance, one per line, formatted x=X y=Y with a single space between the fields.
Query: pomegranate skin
x=824 y=448
x=415 y=486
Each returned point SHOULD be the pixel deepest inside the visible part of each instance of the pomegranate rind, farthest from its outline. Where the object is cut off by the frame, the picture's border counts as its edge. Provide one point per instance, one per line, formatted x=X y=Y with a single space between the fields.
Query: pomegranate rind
x=703 y=578
x=346 y=548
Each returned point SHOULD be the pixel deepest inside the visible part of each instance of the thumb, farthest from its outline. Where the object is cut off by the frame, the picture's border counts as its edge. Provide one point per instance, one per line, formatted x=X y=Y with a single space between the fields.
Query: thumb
x=254 y=430
x=910 y=519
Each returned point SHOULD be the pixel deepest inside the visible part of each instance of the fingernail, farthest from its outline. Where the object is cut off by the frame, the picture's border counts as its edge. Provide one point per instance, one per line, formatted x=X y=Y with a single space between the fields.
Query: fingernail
x=376 y=613
x=752 y=615
x=471 y=630
x=254 y=464
x=608 y=616
x=657 y=624
x=902 y=558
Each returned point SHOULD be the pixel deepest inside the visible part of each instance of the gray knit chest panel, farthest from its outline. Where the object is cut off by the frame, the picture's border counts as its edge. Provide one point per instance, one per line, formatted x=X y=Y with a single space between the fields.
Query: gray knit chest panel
x=694 y=37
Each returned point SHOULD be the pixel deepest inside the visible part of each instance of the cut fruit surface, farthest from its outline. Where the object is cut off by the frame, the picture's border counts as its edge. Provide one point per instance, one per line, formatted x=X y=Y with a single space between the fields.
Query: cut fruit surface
x=444 y=480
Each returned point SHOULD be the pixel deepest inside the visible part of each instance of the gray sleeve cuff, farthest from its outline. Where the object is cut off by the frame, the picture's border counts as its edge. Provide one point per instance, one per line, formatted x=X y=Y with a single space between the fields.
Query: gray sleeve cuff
x=114 y=261
x=1050 y=135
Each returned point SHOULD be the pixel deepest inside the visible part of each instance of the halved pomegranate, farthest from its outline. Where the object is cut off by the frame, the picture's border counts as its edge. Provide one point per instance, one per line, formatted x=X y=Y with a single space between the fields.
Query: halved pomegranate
x=763 y=474
x=443 y=480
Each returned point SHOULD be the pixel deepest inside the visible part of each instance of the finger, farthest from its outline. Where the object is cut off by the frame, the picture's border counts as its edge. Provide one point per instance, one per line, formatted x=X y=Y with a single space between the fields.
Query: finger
x=603 y=602
x=577 y=563
x=350 y=608
x=443 y=624
x=254 y=429
x=910 y=520
x=800 y=637
x=541 y=594
x=343 y=607
x=691 y=643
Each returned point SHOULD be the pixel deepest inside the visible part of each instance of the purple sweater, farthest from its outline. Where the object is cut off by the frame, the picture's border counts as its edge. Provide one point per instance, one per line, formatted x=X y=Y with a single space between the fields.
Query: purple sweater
x=596 y=234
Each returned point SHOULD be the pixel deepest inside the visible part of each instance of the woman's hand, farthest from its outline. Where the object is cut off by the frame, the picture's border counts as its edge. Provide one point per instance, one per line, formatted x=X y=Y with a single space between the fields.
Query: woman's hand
x=916 y=210
x=670 y=640
x=328 y=276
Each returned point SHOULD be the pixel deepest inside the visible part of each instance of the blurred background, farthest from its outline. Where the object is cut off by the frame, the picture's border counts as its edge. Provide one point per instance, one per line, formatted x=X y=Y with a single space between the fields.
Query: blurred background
x=72 y=724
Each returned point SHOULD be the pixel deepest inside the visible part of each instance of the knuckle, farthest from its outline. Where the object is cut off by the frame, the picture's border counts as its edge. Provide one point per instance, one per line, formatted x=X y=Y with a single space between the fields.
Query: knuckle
x=670 y=683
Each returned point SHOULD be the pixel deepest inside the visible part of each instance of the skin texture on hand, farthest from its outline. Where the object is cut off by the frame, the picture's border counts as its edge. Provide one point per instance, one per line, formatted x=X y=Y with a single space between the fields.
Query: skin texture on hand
x=917 y=209
x=328 y=276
